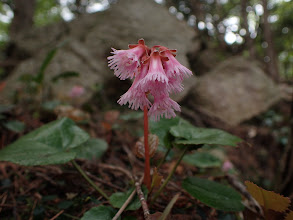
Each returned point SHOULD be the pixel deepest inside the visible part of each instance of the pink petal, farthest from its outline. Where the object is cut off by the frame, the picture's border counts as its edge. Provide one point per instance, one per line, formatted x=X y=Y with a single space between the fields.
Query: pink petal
x=174 y=68
x=125 y=62
x=163 y=106
x=156 y=71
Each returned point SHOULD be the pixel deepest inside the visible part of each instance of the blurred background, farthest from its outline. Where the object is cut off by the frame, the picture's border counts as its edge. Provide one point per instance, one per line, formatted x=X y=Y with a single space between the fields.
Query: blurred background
x=258 y=29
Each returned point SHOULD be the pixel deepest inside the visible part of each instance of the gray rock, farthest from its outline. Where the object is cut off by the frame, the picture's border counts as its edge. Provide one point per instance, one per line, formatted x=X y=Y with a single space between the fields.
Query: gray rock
x=89 y=40
x=236 y=90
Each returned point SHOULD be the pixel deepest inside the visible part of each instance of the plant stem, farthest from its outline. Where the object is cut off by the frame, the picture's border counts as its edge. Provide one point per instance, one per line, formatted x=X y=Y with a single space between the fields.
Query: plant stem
x=65 y=214
x=169 y=176
x=147 y=176
x=89 y=180
x=164 y=158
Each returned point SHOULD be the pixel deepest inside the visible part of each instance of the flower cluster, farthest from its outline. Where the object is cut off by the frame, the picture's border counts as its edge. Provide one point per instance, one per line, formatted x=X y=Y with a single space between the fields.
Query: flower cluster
x=156 y=72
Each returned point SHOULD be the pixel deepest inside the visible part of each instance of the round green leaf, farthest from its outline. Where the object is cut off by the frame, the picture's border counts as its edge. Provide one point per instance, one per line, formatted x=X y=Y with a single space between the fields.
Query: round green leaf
x=118 y=199
x=190 y=135
x=99 y=213
x=49 y=144
x=161 y=129
x=29 y=153
x=213 y=194
x=93 y=148
x=202 y=160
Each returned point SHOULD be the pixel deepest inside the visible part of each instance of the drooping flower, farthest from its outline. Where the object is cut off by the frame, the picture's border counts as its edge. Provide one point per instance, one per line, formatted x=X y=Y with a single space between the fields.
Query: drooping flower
x=163 y=106
x=172 y=66
x=125 y=62
x=157 y=73
x=136 y=95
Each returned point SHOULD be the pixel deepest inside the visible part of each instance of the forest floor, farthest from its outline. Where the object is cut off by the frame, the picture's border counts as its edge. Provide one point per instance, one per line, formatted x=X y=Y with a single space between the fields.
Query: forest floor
x=59 y=192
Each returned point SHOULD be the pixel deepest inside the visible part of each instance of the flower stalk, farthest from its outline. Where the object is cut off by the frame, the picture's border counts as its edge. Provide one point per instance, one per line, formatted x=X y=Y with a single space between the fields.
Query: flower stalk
x=147 y=170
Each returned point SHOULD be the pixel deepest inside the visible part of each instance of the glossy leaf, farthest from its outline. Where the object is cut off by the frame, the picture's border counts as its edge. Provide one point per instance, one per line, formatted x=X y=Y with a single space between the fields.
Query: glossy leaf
x=49 y=144
x=213 y=194
x=118 y=199
x=190 y=135
x=99 y=213
x=202 y=160
x=268 y=199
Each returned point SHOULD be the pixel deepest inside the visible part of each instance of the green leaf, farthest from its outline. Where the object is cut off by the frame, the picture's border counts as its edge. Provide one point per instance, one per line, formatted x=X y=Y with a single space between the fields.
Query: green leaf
x=99 y=213
x=40 y=76
x=202 y=160
x=33 y=153
x=62 y=133
x=50 y=55
x=64 y=75
x=118 y=199
x=49 y=144
x=93 y=148
x=213 y=194
x=190 y=135
x=65 y=204
x=16 y=126
x=161 y=129
x=50 y=105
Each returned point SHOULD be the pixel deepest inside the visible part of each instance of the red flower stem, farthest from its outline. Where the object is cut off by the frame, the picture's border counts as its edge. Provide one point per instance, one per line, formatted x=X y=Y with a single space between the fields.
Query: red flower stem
x=147 y=170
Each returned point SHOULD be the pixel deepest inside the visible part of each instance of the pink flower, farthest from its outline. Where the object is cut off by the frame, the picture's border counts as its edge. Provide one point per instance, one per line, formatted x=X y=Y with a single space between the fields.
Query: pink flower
x=136 y=94
x=172 y=66
x=76 y=91
x=227 y=166
x=125 y=62
x=163 y=106
x=157 y=73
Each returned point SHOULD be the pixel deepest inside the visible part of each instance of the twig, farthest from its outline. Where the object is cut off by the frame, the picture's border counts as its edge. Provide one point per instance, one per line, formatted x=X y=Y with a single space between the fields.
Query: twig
x=126 y=203
x=33 y=208
x=15 y=208
x=123 y=207
x=56 y=216
x=3 y=200
x=67 y=215
x=144 y=205
x=241 y=188
x=142 y=200
x=104 y=181
x=89 y=180
x=111 y=167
